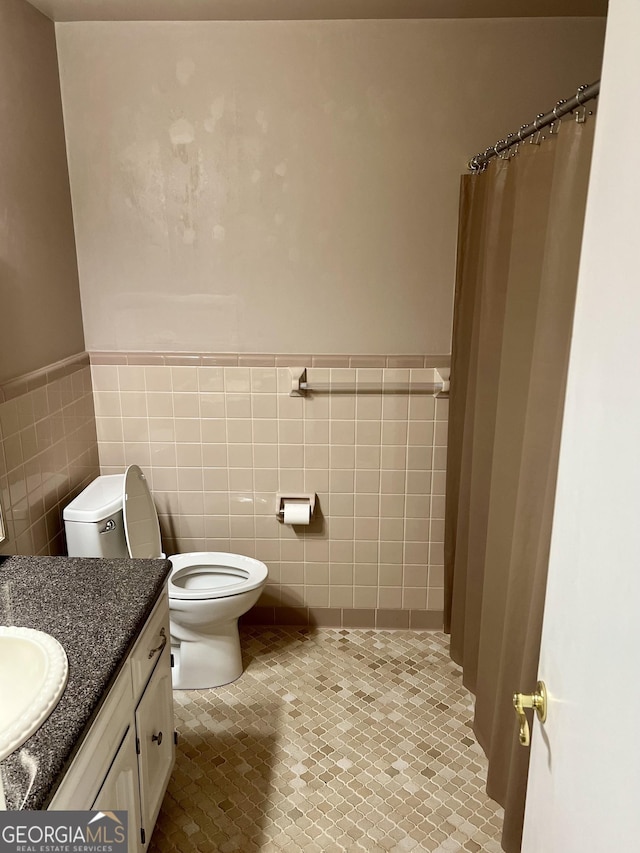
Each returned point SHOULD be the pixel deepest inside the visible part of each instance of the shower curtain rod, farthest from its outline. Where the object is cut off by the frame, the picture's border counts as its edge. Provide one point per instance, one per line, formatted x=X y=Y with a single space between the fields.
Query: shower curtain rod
x=585 y=93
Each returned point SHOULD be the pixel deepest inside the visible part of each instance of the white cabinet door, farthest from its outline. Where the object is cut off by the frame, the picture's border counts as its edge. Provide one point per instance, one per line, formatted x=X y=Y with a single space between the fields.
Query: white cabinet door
x=119 y=790
x=154 y=725
x=89 y=768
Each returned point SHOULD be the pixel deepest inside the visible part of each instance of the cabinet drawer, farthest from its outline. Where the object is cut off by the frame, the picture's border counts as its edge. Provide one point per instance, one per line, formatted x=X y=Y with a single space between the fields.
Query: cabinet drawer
x=150 y=645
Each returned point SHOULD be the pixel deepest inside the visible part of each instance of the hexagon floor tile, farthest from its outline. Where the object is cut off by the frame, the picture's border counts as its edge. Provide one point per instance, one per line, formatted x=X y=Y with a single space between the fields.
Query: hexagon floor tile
x=342 y=740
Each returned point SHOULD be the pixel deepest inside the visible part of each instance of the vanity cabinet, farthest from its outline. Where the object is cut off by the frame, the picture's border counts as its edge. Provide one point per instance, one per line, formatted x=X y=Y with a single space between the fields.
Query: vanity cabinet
x=126 y=759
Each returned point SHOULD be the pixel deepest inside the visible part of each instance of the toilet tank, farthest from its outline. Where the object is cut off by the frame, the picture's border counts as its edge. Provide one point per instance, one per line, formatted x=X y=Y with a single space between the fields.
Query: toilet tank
x=93 y=521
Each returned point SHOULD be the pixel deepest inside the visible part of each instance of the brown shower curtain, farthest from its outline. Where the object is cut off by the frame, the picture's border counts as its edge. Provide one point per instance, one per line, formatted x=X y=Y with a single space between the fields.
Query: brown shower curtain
x=518 y=250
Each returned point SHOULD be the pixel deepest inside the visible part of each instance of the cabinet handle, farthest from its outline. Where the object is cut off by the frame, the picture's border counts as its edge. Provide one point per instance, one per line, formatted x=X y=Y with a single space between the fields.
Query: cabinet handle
x=159 y=648
x=157 y=738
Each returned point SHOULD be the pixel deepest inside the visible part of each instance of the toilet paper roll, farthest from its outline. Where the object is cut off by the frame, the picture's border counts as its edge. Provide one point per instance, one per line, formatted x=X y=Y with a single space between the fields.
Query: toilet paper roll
x=297 y=513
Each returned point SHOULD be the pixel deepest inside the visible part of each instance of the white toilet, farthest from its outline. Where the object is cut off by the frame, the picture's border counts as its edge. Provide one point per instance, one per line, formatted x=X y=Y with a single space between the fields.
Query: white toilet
x=208 y=591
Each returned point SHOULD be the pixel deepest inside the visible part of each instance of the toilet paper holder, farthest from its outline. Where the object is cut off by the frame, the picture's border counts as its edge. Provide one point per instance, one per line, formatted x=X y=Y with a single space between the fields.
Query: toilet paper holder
x=294 y=497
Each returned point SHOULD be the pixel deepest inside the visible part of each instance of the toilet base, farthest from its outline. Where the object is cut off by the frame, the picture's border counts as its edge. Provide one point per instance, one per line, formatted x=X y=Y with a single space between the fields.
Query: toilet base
x=208 y=661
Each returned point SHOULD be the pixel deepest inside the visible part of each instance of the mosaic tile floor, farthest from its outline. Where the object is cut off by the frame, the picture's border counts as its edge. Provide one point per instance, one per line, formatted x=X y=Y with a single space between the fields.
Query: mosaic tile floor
x=333 y=740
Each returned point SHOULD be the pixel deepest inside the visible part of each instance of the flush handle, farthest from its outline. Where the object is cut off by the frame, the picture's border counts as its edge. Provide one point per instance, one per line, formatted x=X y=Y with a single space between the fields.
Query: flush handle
x=159 y=648
x=538 y=701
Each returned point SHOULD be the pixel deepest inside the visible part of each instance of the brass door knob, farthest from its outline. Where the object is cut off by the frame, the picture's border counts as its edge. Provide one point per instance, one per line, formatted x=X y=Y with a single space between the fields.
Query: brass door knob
x=538 y=701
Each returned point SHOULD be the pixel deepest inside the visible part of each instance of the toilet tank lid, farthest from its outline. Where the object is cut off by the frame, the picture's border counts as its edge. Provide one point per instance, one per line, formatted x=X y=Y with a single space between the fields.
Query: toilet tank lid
x=101 y=499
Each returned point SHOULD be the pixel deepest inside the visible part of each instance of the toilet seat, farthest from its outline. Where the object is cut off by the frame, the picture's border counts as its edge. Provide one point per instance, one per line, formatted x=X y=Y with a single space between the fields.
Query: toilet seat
x=141 y=527
x=196 y=576
x=203 y=575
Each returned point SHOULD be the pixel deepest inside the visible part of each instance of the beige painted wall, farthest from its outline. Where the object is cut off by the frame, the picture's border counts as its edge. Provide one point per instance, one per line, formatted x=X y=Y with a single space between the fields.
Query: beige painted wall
x=39 y=296
x=290 y=186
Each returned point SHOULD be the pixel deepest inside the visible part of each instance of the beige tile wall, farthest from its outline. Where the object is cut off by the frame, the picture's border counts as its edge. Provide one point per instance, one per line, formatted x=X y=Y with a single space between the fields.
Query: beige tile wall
x=217 y=443
x=48 y=453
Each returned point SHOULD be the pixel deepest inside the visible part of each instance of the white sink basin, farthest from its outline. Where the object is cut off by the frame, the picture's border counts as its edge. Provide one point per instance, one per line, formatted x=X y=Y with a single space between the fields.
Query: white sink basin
x=33 y=675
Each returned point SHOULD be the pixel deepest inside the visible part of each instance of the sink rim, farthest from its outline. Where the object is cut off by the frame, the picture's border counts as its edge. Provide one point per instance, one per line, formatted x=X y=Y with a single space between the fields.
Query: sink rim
x=51 y=688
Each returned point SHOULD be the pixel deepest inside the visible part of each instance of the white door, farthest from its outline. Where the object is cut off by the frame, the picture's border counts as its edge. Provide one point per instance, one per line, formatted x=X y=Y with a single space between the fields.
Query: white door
x=584 y=779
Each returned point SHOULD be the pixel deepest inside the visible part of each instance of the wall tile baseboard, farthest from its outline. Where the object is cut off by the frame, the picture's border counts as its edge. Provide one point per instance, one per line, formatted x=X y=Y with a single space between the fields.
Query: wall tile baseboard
x=337 y=617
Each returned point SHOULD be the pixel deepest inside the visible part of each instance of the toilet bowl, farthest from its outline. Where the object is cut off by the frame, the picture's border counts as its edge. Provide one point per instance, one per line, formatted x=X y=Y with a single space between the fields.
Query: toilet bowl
x=208 y=591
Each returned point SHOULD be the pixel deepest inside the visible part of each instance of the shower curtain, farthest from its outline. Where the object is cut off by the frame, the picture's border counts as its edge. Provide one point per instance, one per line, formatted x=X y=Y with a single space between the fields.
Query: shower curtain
x=518 y=250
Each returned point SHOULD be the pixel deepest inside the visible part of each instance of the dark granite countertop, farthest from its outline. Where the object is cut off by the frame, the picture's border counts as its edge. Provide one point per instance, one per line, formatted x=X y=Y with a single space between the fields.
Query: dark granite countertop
x=95 y=608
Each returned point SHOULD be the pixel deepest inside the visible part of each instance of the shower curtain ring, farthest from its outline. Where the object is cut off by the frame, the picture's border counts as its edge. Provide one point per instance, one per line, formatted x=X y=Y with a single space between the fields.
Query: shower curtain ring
x=512 y=146
x=503 y=143
x=535 y=137
x=560 y=103
x=581 y=111
x=580 y=93
x=554 y=127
